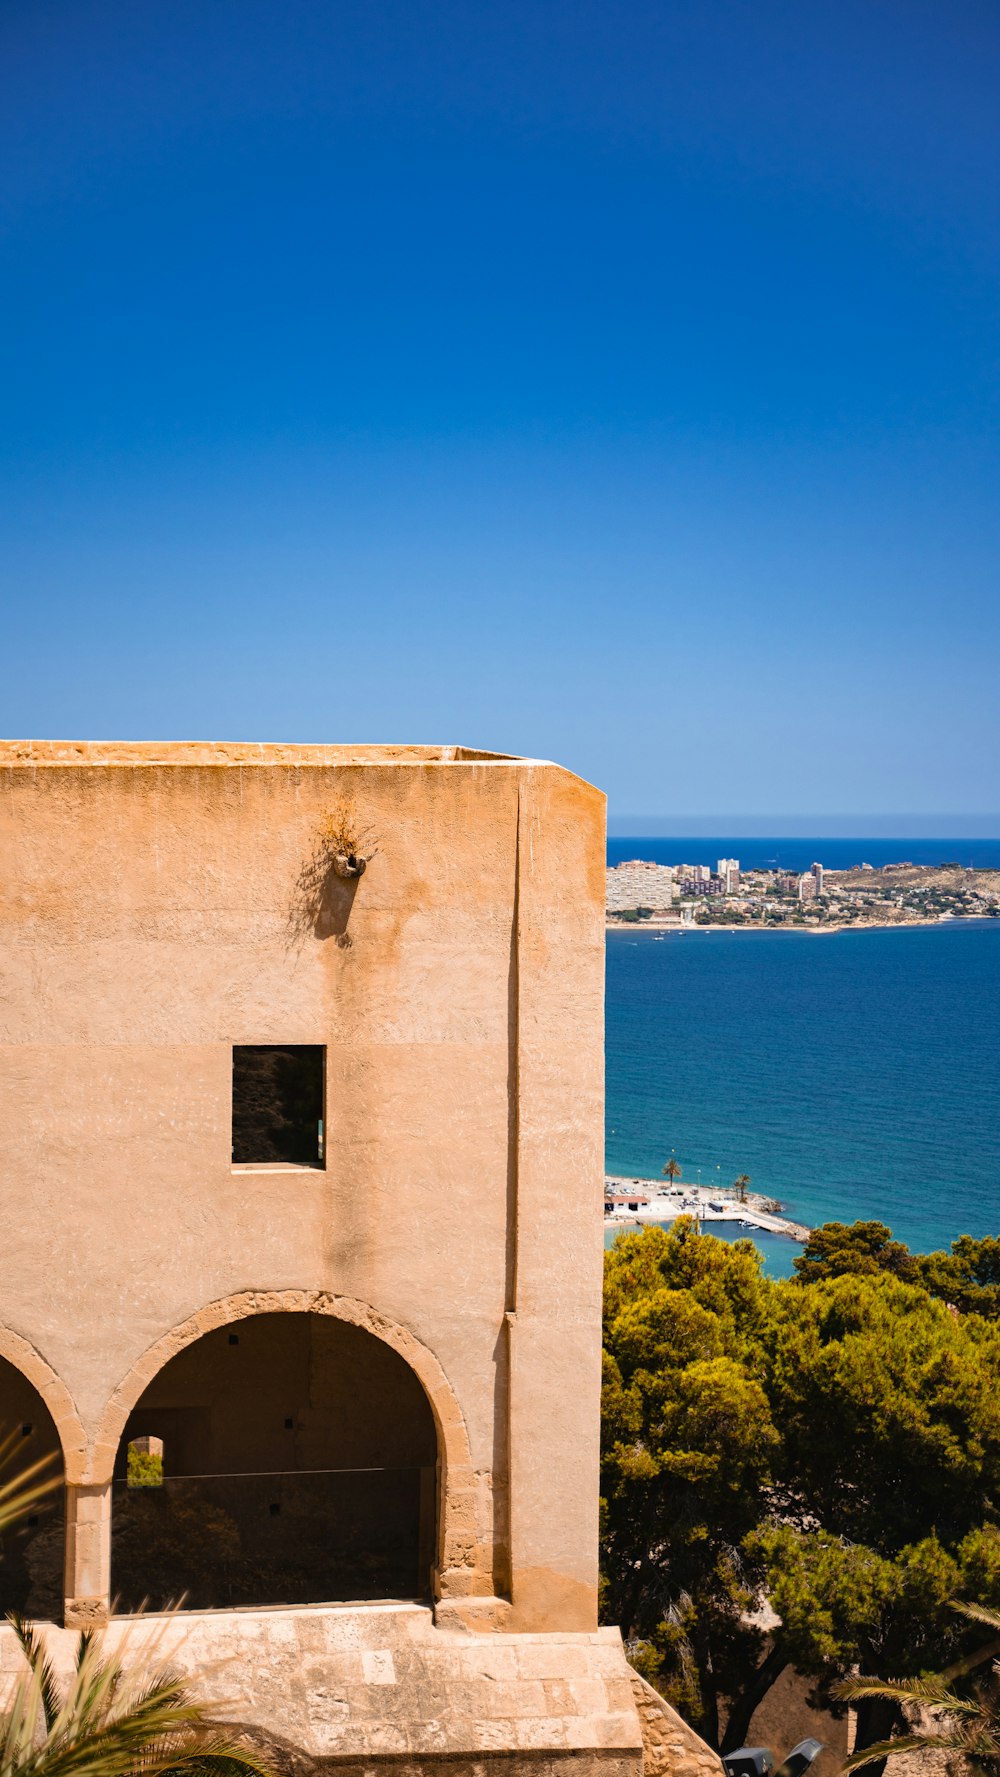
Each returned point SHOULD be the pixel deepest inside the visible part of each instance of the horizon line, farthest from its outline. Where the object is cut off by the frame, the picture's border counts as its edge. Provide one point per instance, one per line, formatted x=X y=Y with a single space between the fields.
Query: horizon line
x=805 y=826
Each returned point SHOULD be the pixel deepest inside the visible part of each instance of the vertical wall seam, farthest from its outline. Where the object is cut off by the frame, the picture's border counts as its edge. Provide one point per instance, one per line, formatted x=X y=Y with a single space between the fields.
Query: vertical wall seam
x=513 y=1198
x=514 y=1071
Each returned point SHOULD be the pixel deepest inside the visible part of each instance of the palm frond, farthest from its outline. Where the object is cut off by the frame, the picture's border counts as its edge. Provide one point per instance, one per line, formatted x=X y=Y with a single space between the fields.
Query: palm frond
x=966 y=1725
x=886 y=1749
x=40 y=1665
x=221 y=1758
x=113 y=1719
x=20 y=1491
x=929 y=1691
x=979 y=1614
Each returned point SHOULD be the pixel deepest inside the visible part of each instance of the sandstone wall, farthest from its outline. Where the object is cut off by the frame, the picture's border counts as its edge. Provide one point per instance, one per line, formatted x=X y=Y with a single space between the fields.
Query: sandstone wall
x=159 y=905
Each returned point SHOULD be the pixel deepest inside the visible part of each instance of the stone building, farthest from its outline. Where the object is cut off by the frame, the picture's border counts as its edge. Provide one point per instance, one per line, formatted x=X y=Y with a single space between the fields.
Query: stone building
x=302 y=1188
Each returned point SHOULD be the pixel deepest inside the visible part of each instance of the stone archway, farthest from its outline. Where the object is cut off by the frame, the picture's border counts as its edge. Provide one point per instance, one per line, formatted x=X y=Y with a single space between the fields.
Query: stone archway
x=462 y=1563
x=43 y=1442
x=58 y=1401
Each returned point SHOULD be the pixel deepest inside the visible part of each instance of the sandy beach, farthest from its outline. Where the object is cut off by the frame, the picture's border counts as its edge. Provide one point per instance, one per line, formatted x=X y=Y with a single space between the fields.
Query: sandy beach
x=667 y=1202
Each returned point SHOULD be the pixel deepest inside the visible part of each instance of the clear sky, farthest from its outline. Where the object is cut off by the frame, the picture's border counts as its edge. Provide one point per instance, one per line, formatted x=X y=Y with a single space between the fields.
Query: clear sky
x=615 y=383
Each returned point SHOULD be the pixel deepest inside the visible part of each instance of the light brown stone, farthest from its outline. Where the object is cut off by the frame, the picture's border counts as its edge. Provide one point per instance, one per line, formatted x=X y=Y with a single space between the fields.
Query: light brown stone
x=160 y=904
x=671 y=1748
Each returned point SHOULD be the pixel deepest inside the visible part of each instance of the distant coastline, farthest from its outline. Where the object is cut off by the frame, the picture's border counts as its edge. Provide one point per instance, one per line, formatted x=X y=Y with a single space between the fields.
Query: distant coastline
x=730 y=895
x=661 y=926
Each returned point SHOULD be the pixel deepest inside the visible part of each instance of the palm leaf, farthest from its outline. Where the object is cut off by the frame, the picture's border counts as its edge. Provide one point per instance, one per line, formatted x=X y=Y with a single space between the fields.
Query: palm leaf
x=929 y=1691
x=112 y=1720
x=979 y=1614
x=40 y=1665
x=29 y=1485
x=886 y=1749
x=968 y=1725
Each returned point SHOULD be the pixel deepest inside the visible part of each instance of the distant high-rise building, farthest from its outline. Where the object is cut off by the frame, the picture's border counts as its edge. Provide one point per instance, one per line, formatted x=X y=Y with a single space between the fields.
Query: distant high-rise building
x=818 y=873
x=728 y=872
x=640 y=884
x=807 y=887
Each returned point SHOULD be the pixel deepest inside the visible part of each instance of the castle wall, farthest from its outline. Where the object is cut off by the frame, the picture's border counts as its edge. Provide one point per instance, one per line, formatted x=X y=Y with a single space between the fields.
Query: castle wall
x=159 y=906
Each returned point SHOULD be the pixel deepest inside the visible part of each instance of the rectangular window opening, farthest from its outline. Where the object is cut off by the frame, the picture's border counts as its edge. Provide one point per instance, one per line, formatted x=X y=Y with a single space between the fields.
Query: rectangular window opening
x=278 y=1108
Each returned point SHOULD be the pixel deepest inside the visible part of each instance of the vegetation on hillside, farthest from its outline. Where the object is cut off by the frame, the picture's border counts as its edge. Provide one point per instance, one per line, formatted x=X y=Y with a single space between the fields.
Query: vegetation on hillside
x=968 y=1276
x=826 y=1450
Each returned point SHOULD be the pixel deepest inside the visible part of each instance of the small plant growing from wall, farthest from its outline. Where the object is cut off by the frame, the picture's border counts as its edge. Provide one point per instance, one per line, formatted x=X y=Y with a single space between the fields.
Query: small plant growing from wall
x=348 y=847
x=342 y=850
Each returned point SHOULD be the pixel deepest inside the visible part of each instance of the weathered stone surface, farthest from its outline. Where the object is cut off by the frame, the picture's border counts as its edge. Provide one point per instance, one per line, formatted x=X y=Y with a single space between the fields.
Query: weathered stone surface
x=360 y=1686
x=670 y=1747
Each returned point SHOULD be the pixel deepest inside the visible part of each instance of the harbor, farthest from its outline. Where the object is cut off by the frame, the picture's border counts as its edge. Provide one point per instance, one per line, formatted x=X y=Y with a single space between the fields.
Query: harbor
x=639 y=1202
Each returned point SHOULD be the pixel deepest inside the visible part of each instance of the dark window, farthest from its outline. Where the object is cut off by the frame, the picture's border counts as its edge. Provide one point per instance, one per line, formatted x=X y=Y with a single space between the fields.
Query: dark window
x=278 y=1105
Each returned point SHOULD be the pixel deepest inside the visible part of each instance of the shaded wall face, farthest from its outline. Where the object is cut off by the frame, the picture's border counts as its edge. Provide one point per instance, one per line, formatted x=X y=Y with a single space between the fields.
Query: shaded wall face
x=223 y=1407
x=298 y=1468
x=31 y=1550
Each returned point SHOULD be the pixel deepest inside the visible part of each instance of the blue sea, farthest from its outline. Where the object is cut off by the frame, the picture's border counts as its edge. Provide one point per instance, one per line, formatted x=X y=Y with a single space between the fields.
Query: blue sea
x=852 y=1075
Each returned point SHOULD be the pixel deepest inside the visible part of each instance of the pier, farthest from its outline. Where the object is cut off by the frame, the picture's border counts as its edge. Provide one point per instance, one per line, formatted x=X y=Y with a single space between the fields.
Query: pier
x=657 y=1203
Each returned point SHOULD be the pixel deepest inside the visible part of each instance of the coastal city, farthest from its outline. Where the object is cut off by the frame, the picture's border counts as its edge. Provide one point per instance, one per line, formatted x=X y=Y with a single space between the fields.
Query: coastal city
x=687 y=895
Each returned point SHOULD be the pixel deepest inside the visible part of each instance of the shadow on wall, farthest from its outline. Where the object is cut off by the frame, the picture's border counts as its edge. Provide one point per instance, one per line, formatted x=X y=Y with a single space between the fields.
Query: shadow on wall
x=328 y=881
x=31 y=1549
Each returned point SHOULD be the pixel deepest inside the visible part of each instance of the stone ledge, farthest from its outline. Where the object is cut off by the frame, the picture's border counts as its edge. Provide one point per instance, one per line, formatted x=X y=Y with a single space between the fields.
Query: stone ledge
x=360 y=1686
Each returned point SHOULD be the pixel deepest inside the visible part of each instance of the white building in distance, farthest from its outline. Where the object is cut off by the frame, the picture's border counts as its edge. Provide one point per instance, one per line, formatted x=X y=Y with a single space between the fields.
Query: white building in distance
x=640 y=884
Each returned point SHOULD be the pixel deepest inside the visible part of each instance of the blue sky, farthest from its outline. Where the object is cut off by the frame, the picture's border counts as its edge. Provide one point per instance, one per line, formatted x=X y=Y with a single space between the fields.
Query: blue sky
x=615 y=384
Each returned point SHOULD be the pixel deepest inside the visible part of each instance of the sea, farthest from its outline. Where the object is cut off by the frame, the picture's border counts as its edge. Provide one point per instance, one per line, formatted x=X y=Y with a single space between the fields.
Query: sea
x=853 y=1075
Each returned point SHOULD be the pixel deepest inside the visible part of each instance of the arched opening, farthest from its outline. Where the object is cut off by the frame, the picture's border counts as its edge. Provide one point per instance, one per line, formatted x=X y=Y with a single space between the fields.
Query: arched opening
x=285 y=1458
x=32 y=1550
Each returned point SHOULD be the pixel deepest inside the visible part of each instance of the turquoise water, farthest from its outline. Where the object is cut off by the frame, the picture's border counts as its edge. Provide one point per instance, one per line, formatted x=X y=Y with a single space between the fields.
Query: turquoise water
x=855 y=1074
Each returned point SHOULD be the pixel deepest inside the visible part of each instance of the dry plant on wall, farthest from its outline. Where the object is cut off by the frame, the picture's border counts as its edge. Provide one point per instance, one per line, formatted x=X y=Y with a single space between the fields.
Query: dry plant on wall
x=348 y=847
x=328 y=881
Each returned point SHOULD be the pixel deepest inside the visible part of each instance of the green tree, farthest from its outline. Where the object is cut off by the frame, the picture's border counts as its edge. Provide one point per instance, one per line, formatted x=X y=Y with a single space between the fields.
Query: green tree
x=859 y=1248
x=968 y=1276
x=741 y=1186
x=688 y=1443
x=672 y=1171
x=833 y=1448
x=145 y=1468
